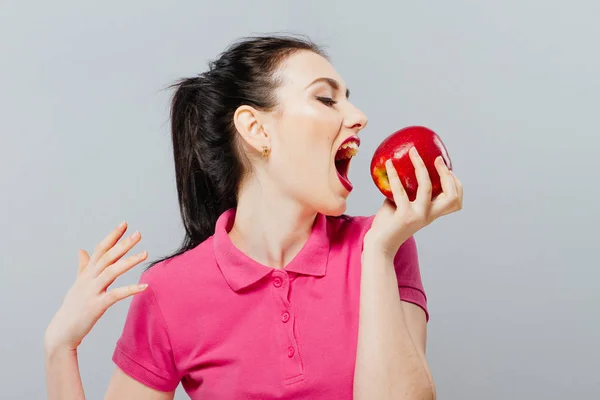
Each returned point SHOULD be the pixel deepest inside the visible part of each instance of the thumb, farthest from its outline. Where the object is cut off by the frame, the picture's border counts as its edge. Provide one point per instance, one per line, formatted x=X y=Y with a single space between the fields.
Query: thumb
x=84 y=259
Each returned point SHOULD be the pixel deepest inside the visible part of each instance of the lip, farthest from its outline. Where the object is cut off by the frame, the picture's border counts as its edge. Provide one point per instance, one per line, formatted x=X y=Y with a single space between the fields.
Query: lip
x=353 y=138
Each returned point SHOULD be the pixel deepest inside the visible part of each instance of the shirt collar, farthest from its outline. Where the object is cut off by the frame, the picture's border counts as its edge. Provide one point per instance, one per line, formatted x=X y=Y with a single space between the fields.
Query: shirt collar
x=241 y=271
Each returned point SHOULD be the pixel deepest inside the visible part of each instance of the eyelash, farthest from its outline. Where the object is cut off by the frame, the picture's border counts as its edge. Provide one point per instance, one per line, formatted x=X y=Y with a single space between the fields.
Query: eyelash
x=327 y=101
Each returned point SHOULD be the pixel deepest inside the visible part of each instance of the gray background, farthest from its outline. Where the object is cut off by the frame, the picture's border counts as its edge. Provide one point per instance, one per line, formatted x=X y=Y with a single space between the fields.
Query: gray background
x=511 y=86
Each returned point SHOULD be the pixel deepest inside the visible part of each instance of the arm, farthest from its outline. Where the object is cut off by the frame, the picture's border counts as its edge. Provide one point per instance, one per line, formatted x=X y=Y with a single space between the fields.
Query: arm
x=390 y=361
x=416 y=321
x=122 y=386
x=64 y=381
x=85 y=302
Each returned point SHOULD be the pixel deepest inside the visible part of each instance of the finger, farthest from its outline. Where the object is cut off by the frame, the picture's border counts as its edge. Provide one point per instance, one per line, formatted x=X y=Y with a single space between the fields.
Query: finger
x=84 y=259
x=423 y=181
x=108 y=242
x=398 y=191
x=446 y=178
x=117 y=251
x=108 y=276
x=115 y=295
x=459 y=186
x=449 y=201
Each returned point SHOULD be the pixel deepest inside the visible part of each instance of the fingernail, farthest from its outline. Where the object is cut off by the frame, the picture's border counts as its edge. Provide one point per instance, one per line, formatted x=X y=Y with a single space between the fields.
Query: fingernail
x=142 y=286
x=414 y=151
x=122 y=224
x=135 y=235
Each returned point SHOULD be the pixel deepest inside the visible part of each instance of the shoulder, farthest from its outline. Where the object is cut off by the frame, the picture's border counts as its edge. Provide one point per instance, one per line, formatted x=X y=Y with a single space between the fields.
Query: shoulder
x=348 y=228
x=174 y=272
x=345 y=222
x=354 y=227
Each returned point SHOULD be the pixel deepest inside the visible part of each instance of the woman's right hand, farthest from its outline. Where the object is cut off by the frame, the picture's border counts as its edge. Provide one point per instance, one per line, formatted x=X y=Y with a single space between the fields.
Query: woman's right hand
x=88 y=298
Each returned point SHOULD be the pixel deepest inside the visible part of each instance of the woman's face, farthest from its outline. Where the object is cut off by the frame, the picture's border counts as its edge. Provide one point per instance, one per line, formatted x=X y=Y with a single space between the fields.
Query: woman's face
x=314 y=118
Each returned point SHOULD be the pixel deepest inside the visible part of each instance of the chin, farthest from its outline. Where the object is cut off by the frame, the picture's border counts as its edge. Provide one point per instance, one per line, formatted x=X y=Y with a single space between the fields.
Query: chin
x=326 y=200
x=335 y=207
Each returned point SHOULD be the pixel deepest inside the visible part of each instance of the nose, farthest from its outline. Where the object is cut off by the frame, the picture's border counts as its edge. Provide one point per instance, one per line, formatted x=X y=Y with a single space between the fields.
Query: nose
x=356 y=119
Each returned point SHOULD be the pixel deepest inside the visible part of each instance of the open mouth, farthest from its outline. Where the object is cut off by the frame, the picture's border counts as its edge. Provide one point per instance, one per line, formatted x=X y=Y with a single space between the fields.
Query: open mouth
x=347 y=150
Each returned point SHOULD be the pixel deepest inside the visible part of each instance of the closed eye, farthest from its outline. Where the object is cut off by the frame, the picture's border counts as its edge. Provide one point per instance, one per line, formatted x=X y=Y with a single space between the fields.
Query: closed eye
x=328 y=101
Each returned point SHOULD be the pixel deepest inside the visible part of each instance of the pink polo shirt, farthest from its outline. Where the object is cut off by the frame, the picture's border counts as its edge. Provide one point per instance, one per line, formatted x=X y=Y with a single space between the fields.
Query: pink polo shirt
x=227 y=327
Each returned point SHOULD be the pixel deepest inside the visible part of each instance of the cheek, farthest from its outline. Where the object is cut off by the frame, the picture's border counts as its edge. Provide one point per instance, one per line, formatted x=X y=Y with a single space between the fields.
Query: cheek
x=314 y=120
x=305 y=142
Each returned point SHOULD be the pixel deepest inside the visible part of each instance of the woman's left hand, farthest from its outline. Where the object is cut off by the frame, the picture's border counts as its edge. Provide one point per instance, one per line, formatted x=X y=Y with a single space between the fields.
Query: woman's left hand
x=394 y=224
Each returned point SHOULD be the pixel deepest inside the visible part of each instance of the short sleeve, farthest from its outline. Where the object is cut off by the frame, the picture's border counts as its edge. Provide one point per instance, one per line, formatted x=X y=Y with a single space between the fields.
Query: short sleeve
x=144 y=349
x=406 y=263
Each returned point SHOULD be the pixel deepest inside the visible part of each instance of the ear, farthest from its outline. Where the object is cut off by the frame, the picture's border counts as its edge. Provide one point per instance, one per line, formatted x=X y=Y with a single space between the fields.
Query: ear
x=247 y=121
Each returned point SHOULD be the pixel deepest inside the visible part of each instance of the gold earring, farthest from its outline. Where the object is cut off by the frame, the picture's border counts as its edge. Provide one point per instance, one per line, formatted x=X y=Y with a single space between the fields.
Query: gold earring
x=265 y=151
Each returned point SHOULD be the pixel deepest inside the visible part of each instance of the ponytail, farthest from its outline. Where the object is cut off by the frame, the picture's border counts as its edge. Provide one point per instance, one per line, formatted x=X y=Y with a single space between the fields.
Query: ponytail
x=200 y=166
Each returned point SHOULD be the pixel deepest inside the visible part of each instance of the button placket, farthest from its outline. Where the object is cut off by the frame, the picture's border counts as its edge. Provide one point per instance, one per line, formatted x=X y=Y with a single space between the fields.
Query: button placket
x=292 y=363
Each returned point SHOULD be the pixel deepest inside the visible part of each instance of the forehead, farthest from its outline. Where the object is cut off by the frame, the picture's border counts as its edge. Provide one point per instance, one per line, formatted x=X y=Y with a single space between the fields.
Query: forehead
x=301 y=68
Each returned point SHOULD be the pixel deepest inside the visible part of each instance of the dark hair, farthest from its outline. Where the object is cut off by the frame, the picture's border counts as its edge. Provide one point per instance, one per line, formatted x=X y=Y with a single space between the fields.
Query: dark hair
x=209 y=163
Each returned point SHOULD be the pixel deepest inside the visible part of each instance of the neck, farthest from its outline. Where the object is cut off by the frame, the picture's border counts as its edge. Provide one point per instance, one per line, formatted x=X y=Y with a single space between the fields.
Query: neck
x=269 y=227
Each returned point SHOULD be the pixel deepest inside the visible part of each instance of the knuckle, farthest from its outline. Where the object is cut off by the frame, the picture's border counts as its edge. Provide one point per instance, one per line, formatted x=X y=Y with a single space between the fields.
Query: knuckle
x=117 y=267
x=106 y=276
x=453 y=205
x=123 y=265
x=415 y=218
x=127 y=244
x=455 y=202
x=110 y=253
x=425 y=185
x=99 y=247
x=100 y=264
x=112 y=296
x=407 y=220
x=103 y=303
x=104 y=244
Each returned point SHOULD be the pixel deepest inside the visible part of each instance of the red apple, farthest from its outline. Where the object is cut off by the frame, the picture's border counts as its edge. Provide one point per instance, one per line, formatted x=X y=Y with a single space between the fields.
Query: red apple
x=396 y=146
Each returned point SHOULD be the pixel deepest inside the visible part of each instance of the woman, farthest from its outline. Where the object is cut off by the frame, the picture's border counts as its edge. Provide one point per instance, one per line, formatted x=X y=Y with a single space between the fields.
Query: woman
x=275 y=293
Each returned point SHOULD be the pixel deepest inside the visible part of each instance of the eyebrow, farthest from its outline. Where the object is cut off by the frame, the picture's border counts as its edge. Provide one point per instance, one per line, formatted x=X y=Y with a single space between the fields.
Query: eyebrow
x=335 y=85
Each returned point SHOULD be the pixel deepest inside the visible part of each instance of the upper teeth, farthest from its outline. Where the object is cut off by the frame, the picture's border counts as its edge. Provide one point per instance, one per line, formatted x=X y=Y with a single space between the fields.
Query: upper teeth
x=347 y=150
x=351 y=145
